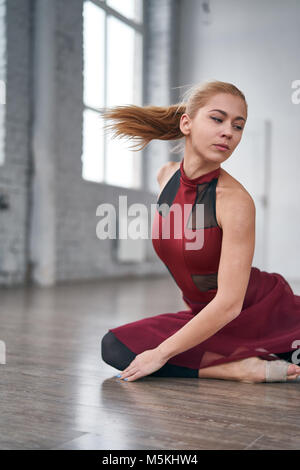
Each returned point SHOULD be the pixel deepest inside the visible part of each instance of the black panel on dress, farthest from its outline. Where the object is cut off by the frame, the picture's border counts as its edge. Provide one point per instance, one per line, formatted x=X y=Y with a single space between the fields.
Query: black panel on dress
x=205 y=282
x=168 y=194
x=206 y=194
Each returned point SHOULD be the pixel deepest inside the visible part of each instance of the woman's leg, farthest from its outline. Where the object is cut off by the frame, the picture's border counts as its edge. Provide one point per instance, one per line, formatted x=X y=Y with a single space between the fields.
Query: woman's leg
x=117 y=355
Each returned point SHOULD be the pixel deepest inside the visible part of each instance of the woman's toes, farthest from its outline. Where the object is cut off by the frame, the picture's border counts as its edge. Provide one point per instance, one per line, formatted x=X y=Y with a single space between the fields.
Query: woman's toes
x=293 y=372
x=293 y=369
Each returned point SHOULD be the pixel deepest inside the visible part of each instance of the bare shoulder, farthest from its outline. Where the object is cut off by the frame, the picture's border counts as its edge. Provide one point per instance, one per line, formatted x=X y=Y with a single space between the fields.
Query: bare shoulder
x=232 y=198
x=166 y=172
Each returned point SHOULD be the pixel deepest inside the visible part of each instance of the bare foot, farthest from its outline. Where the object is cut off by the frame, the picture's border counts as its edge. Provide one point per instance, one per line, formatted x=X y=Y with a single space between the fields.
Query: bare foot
x=249 y=370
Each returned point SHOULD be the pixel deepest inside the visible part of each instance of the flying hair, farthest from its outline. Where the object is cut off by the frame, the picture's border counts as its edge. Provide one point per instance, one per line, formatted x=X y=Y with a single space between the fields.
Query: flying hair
x=146 y=123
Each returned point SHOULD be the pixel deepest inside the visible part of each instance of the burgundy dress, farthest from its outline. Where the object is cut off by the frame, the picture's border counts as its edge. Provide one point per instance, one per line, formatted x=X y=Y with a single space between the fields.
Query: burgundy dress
x=269 y=322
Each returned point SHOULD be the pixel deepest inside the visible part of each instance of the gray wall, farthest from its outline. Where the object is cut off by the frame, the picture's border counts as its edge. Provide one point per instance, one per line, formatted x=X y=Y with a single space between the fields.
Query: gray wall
x=256 y=46
x=161 y=59
x=14 y=181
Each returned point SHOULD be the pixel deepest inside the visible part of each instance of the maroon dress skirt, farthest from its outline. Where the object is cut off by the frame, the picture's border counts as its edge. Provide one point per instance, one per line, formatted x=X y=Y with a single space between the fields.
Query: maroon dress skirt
x=190 y=246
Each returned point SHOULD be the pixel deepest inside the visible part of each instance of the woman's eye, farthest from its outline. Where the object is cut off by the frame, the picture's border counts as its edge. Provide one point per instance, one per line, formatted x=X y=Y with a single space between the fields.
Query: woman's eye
x=220 y=120
x=217 y=119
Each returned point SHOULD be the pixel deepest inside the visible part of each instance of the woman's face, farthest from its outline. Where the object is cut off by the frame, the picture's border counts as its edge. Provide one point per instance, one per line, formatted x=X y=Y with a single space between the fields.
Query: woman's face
x=210 y=127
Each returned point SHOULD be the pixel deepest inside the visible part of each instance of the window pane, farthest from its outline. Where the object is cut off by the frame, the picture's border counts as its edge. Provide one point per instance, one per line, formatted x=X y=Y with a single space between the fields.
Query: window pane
x=119 y=164
x=92 y=154
x=124 y=63
x=93 y=44
x=132 y=9
x=124 y=86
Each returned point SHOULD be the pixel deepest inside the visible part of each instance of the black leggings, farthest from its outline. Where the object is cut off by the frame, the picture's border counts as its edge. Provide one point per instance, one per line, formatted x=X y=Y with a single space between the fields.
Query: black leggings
x=287 y=356
x=117 y=355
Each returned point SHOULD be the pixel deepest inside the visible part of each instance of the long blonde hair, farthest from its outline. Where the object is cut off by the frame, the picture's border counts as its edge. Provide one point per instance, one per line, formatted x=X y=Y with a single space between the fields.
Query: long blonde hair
x=145 y=123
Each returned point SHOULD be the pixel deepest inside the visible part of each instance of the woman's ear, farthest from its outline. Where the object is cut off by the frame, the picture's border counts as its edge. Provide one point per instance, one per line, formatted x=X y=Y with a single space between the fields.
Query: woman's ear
x=184 y=124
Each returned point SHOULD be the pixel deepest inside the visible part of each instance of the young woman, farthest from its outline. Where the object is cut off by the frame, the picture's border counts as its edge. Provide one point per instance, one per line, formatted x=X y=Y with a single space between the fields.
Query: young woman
x=239 y=319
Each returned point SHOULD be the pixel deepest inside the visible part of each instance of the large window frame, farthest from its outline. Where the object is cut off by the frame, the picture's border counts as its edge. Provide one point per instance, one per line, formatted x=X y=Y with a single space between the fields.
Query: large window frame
x=138 y=27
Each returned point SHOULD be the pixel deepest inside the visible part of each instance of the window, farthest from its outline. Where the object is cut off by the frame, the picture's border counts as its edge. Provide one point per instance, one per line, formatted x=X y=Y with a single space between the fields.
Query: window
x=112 y=76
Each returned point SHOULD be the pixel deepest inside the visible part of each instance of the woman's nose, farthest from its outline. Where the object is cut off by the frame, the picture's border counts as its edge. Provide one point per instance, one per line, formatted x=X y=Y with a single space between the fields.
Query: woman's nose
x=227 y=132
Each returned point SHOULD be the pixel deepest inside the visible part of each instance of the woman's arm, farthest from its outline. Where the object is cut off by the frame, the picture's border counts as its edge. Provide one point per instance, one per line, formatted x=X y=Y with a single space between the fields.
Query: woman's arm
x=238 y=242
x=206 y=323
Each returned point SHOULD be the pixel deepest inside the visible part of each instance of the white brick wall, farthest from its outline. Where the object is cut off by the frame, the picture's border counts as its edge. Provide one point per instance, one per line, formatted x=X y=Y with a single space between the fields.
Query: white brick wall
x=2 y=79
x=14 y=172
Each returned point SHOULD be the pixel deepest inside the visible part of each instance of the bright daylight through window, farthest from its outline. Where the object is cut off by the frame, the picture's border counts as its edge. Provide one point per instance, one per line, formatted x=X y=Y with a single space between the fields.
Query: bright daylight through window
x=113 y=76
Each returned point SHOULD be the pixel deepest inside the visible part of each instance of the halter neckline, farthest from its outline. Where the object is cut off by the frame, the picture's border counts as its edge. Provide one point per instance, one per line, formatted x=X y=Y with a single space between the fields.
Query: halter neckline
x=205 y=178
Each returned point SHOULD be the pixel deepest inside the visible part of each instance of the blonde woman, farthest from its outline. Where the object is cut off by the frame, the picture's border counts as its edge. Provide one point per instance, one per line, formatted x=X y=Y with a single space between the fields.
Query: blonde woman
x=240 y=319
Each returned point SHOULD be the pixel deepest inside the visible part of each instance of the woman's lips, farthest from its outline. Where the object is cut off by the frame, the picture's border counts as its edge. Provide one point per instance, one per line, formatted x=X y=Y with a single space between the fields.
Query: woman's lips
x=220 y=147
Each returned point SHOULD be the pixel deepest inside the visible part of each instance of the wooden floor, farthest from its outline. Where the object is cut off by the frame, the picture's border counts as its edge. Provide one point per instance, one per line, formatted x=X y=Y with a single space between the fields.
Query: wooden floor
x=56 y=392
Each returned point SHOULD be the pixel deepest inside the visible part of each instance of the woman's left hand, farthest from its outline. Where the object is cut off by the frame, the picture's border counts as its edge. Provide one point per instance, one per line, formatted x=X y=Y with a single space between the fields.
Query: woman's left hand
x=143 y=364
